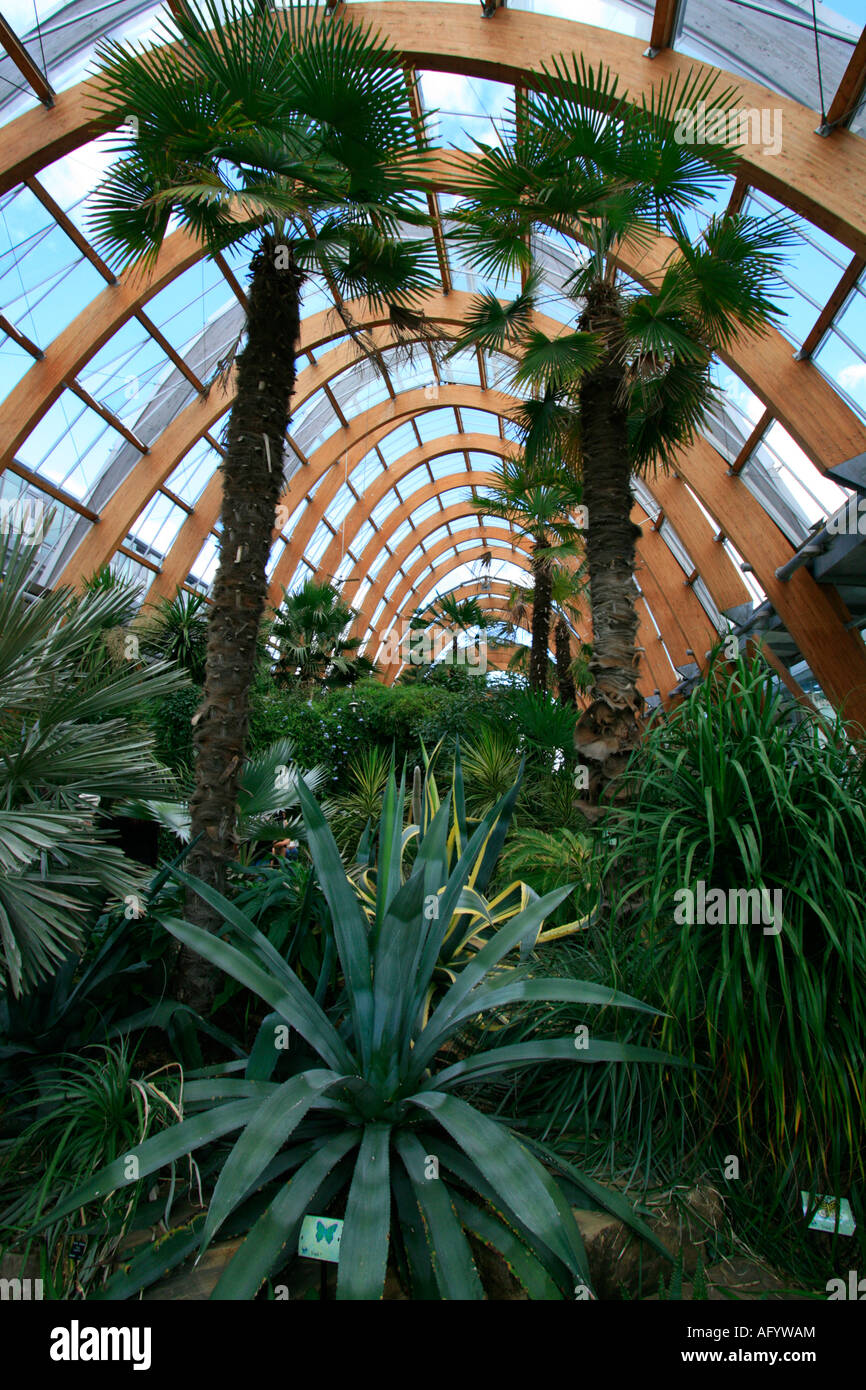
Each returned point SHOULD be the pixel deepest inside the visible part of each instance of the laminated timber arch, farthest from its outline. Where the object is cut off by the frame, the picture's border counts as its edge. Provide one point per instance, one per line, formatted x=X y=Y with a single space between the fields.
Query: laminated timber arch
x=827 y=185
x=806 y=609
x=722 y=579
x=410 y=595
x=814 y=618
x=698 y=629
x=493 y=600
x=418 y=581
x=655 y=674
x=795 y=392
x=685 y=624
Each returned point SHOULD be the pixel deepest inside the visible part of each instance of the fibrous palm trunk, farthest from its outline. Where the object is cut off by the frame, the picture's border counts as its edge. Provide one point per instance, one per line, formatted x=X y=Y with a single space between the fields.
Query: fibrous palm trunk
x=542 y=585
x=252 y=481
x=562 y=647
x=609 y=729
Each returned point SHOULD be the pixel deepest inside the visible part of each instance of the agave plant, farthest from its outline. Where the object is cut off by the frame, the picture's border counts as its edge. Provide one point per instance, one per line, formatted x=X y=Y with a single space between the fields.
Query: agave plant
x=365 y=1120
x=358 y=805
x=473 y=916
x=176 y=629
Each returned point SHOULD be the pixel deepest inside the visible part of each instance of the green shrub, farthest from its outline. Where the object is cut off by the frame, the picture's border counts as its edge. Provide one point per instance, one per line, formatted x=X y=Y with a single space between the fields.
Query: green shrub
x=90 y=1110
x=169 y=720
x=330 y=728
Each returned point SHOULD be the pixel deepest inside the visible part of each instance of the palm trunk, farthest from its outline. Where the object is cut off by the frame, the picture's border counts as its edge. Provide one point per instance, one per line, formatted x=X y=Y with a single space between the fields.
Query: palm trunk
x=252 y=477
x=542 y=580
x=564 y=678
x=610 y=728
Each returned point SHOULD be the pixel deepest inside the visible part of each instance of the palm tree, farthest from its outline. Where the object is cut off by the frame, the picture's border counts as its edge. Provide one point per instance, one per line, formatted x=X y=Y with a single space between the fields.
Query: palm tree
x=279 y=131
x=539 y=499
x=568 y=588
x=420 y=654
x=308 y=628
x=629 y=385
x=68 y=745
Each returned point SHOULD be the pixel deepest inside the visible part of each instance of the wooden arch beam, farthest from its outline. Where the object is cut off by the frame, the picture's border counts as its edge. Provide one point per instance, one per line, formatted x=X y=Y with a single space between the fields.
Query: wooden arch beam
x=684 y=612
x=722 y=578
x=827 y=183
x=698 y=628
x=685 y=625
x=813 y=615
x=649 y=638
x=497 y=589
x=391 y=477
x=456 y=511
x=724 y=582
x=418 y=580
x=797 y=394
x=652 y=675
x=517 y=558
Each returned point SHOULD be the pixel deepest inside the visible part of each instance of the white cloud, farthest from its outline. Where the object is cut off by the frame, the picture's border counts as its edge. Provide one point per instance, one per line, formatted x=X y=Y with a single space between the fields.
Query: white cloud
x=853 y=375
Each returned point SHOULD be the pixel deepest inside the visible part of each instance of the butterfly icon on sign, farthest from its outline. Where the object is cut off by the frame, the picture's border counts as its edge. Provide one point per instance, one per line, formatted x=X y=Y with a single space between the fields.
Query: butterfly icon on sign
x=319 y=1238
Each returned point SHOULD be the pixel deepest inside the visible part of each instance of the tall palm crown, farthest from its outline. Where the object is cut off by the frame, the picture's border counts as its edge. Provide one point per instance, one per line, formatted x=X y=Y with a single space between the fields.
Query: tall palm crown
x=286 y=131
x=629 y=385
x=539 y=499
x=567 y=593
x=309 y=627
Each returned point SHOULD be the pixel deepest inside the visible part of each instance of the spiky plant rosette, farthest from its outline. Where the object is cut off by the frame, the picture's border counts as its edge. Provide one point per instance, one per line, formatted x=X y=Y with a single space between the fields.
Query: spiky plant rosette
x=358 y=1117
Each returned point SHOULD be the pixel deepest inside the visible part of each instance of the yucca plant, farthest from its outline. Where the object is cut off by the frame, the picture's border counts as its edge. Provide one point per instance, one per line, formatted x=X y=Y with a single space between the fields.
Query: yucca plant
x=359 y=803
x=490 y=766
x=473 y=915
x=738 y=789
x=364 y=1121
x=176 y=629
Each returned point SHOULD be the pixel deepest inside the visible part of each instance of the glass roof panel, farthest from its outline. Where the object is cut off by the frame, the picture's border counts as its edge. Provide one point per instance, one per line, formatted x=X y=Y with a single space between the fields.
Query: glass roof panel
x=45 y=282
x=425 y=510
x=775 y=42
x=813 y=265
x=842 y=355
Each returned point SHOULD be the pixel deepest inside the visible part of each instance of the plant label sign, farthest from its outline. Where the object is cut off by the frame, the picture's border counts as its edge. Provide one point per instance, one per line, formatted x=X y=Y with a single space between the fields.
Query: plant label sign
x=830 y=1211
x=320 y=1238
